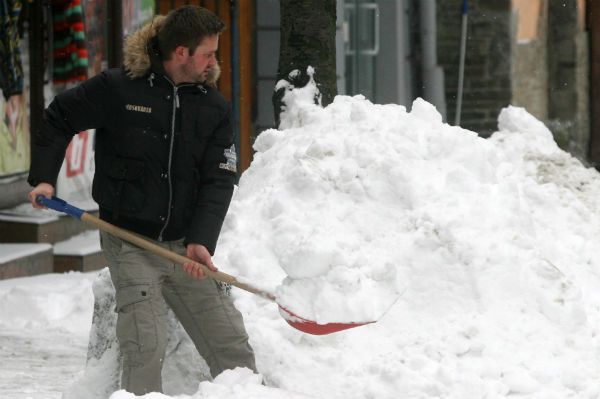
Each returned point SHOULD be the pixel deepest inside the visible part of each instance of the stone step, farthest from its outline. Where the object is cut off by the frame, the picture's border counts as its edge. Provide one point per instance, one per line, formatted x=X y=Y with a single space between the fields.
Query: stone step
x=22 y=260
x=68 y=244
x=80 y=253
x=25 y=224
x=83 y=263
x=46 y=229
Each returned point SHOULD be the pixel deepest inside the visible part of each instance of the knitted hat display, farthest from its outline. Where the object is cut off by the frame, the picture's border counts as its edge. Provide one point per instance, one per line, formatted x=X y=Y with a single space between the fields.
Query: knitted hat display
x=69 y=55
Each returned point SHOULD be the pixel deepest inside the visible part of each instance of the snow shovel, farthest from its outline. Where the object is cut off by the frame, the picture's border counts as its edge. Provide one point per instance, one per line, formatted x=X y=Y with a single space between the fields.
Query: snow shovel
x=299 y=323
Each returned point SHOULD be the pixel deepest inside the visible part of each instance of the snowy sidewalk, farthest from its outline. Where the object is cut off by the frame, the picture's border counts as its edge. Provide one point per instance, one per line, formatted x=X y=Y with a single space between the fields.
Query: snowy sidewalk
x=39 y=364
x=44 y=328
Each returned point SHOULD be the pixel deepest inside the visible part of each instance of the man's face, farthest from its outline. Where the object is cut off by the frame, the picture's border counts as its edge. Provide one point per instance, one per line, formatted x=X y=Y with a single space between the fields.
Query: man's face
x=195 y=67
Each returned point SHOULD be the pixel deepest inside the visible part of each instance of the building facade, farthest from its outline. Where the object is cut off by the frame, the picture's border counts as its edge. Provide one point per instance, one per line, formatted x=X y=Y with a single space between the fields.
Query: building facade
x=537 y=54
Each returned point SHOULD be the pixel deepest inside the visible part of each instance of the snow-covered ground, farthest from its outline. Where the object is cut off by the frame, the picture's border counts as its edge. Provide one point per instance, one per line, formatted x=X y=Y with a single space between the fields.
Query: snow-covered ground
x=44 y=326
x=477 y=258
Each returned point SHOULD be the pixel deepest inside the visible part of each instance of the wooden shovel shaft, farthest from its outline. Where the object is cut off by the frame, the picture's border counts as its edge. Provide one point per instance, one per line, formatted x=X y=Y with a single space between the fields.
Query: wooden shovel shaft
x=165 y=253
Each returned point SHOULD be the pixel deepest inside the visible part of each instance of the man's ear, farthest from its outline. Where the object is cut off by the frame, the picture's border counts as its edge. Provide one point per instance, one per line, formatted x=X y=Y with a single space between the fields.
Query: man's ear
x=181 y=52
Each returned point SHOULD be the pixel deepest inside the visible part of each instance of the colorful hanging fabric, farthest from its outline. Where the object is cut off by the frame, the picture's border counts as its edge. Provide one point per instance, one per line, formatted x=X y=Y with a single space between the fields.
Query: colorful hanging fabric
x=11 y=69
x=70 y=55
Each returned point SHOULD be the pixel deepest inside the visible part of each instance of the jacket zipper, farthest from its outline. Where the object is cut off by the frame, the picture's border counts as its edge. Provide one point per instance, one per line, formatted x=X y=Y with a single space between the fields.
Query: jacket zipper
x=172 y=141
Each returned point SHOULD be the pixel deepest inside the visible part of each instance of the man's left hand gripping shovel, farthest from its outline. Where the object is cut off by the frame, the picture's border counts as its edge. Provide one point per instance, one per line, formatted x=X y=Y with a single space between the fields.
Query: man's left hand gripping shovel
x=299 y=323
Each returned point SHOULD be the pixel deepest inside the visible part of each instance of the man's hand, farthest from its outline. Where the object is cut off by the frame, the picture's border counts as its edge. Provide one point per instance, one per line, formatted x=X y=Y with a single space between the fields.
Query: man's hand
x=200 y=254
x=44 y=189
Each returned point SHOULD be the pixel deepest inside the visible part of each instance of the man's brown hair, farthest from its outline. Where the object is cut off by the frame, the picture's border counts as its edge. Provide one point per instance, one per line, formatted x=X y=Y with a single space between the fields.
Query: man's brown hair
x=187 y=26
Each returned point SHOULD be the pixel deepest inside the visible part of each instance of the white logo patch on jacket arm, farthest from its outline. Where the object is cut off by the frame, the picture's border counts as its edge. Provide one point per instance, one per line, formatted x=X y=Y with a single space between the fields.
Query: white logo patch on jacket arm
x=231 y=156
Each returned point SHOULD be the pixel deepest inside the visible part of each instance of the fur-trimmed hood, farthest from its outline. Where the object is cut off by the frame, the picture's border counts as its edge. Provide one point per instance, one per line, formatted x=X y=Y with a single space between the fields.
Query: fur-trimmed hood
x=136 y=56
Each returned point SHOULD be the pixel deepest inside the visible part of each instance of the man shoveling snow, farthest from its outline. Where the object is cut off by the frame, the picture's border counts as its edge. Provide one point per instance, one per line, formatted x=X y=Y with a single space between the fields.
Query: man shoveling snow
x=165 y=169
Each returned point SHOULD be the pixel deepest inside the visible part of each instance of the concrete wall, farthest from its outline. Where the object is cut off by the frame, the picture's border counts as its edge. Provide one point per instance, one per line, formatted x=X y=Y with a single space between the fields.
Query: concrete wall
x=538 y=60
x=14 y=191
x=568 y=82
x=529 y=61
x=551 y=71
x=392 y=68
x=533 y=54
x=579 y=138
x=267 y=57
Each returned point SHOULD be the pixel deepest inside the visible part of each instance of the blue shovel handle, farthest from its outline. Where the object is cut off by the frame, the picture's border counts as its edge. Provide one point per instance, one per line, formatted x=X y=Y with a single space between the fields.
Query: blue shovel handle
x=60 y=205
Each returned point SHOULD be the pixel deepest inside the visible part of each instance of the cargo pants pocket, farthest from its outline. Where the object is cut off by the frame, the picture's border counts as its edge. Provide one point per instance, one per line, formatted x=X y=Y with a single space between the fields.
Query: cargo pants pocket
x=141 y=325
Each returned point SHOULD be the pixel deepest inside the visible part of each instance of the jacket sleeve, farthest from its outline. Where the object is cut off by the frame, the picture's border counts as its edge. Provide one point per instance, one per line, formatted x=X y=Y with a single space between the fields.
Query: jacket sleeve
x=72 y=111
x=218 y=174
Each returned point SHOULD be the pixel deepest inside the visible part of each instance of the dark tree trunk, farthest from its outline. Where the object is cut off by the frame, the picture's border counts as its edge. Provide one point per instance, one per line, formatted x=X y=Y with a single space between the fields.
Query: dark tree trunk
x=307 y=39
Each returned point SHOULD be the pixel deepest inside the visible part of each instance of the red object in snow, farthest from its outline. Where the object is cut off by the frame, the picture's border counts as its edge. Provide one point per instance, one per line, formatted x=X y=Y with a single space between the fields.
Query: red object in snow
x=314 y=328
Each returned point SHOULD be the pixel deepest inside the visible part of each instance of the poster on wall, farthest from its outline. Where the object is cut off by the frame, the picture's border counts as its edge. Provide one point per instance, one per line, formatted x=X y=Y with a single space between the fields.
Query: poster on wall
x=136 y=13
x=14 y=135
x=14 y=104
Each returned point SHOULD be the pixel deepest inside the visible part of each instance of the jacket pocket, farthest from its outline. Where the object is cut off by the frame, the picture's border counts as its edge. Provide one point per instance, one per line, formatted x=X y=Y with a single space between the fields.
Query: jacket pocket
x=119 y=185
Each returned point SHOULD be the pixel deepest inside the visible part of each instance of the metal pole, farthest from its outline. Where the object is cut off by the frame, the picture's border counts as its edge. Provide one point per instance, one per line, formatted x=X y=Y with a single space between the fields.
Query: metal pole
x=432 y=73
x=461 y=65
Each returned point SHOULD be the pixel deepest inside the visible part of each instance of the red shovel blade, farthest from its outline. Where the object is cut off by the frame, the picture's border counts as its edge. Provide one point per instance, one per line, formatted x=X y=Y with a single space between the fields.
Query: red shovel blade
x=314 y=328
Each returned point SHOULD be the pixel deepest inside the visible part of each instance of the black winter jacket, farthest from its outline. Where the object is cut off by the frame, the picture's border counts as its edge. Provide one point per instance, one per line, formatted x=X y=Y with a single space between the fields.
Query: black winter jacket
x=165 y=159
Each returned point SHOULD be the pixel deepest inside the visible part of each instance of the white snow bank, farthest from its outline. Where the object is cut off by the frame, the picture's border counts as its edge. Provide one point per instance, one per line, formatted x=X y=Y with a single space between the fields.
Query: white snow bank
x=336 y=199
x=240 y=383
x=486 y=251
x=47 y=302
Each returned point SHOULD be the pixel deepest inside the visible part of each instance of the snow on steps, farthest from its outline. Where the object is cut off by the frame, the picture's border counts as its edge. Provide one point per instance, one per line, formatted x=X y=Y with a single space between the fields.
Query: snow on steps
x=20 y=260
x=36 y=242
x=80 y=253
x=23 y=224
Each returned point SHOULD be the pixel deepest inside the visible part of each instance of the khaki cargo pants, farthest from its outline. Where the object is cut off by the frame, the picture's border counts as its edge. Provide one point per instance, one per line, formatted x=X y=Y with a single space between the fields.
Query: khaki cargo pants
x=143 y=283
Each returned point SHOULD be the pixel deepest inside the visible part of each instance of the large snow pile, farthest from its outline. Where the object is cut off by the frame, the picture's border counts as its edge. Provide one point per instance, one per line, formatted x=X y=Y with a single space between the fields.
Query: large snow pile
x=486 y=251
x=476 y=257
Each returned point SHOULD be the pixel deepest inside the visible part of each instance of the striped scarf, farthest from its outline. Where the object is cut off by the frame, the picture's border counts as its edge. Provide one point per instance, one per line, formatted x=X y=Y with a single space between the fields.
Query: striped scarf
x=69 y=52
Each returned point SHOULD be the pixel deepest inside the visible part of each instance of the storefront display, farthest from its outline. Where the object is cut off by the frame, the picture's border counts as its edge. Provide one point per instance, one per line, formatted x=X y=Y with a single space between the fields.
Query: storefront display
x=70 y=58
x=14 y=115
x=136 y=13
